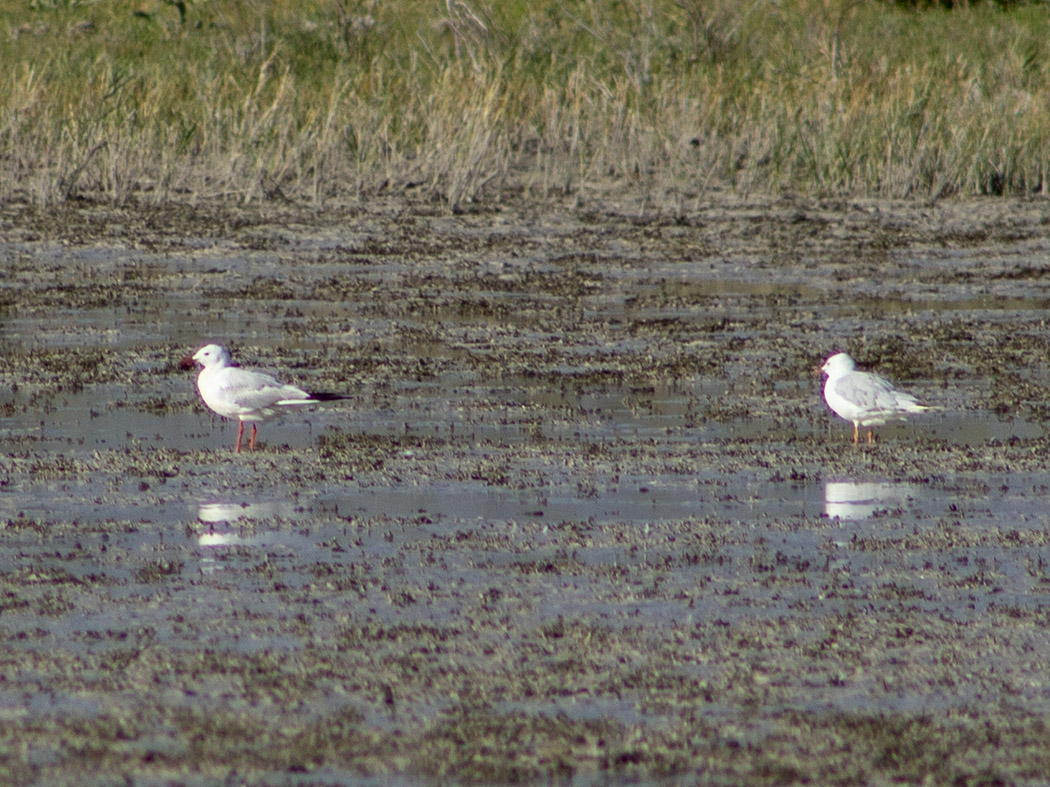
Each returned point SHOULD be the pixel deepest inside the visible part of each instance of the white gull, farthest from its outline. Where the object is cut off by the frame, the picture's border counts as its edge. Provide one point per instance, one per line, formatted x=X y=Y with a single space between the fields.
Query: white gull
x=864 y=398
x=247 y=395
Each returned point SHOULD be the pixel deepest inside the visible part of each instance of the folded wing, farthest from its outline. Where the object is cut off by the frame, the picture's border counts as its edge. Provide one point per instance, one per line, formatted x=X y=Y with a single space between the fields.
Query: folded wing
x=251 y=391
x=873 y=395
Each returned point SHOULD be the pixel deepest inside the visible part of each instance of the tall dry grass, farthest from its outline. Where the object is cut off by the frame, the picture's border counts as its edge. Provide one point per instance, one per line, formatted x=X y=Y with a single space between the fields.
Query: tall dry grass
x=475 y=99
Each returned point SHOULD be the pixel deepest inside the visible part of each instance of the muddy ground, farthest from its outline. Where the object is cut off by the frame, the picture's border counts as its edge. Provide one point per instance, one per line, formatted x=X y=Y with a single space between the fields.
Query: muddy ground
x=585 y=518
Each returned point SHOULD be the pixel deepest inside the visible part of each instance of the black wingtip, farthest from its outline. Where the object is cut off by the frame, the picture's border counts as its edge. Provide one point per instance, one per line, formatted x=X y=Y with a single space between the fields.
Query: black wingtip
x=327 y=397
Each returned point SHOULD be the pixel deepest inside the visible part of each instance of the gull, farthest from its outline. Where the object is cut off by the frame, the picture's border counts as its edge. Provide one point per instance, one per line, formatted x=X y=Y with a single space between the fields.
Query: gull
x=864 y=398
x=247 y=395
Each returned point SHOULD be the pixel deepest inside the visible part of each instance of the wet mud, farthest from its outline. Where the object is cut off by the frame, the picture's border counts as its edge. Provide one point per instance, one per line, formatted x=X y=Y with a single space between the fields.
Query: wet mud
x=585 y=518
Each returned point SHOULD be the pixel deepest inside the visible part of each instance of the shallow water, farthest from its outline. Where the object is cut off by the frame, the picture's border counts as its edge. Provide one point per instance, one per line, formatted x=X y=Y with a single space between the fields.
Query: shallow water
x=108 y=417
x=554 y=435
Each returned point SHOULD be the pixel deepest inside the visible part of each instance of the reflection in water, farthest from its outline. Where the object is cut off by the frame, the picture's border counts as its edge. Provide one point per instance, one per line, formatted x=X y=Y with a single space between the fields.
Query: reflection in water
x=216 y=543
x=213 y=513
x=860 y=499
x=226 y=539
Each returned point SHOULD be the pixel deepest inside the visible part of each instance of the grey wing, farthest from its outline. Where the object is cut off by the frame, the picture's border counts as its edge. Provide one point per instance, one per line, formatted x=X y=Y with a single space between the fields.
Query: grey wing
x=256 y=390
x=868 y=391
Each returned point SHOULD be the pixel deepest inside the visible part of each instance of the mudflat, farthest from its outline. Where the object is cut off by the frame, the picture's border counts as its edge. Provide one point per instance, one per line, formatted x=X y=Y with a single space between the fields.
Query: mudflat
x=584 y=518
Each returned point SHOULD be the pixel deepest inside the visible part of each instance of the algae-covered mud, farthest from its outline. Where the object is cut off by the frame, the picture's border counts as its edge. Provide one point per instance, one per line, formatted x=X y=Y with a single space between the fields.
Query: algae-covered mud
x=585 y=517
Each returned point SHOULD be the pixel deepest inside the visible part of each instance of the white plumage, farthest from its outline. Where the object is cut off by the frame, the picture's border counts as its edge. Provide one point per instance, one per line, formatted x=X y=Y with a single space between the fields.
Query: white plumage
x=244 y=394
x=864 y=398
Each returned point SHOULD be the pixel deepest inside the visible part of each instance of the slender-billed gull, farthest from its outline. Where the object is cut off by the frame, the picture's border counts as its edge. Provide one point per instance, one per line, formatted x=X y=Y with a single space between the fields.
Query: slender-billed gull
x=864 y=398
x=247 y=395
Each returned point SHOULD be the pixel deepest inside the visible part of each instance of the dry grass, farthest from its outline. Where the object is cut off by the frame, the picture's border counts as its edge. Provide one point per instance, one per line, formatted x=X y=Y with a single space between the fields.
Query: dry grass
x=336 y=99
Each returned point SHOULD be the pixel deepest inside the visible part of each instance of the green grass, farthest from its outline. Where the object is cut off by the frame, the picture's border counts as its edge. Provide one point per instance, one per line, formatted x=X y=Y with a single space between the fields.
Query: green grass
x=477 y=99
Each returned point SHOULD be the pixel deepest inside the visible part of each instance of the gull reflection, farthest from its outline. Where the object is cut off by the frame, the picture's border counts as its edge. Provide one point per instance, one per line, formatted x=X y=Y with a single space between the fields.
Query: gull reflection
x=224 y=539
x=861 y=499
x=217 y=543
x=213 y=513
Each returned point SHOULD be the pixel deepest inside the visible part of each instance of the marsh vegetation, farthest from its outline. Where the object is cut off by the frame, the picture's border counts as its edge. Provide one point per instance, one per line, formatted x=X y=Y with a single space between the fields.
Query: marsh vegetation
x=467 y=100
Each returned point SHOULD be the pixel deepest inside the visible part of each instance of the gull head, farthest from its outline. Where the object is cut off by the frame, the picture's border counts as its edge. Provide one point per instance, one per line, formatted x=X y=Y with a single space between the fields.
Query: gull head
x=838 y=365
x=207 y=356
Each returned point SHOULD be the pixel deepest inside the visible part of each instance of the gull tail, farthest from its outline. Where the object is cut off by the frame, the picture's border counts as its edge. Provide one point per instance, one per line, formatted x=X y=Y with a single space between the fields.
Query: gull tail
x=909 y=404
x=310 y=398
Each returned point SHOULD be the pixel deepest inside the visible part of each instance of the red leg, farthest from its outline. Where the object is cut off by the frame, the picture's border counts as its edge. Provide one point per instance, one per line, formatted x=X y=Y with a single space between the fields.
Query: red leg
x=240 y=433
x=871 y=437
x=251 y=443
x=856 y=434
